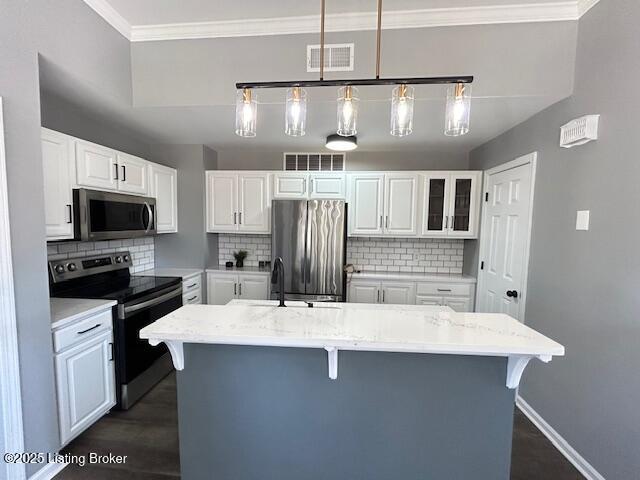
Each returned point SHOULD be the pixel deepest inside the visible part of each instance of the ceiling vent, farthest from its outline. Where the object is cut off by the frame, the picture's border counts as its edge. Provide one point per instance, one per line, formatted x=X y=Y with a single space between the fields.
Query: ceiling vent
x=314 y=162
x=579 y=131
x=338 y=57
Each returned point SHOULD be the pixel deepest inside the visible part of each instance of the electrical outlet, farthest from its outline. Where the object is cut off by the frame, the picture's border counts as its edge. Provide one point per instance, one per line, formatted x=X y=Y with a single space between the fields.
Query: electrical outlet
x=416 y=257
x=582 y=220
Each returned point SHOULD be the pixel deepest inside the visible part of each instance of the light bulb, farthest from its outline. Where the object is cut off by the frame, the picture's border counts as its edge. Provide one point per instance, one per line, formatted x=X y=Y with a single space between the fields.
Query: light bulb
x=458 y=110
x=347 y=111
x=246 y=113
x=296 y=112
x=402 y=111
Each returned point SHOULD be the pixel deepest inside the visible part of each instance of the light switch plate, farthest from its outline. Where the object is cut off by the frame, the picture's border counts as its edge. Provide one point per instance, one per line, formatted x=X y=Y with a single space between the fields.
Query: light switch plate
x=582 y=220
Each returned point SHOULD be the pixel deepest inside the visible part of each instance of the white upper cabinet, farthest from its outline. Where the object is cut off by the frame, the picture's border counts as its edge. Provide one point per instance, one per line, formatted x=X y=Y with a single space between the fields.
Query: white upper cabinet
x=132 y=174
x=238 y=202
x=58 y=195
x=96 y=166
x=290 y=185
x=308 y=185
x=163 y=186
x=366 y=204
x=451 y=204
x=327 y=185
x=401 y=203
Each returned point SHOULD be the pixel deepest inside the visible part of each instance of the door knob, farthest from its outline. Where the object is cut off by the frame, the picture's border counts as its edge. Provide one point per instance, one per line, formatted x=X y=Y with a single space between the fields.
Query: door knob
x=512 y=293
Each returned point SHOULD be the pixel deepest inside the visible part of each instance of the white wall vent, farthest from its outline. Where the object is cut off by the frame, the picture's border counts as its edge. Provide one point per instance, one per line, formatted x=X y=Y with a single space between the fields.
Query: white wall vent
x=314 y=162
x=338 y=57
x=579 y=131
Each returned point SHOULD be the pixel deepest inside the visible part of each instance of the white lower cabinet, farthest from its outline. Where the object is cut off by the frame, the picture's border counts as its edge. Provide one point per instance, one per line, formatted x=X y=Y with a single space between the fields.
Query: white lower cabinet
x=458 y=296
x=192 y=290
x=85 y=377
x=222 y=287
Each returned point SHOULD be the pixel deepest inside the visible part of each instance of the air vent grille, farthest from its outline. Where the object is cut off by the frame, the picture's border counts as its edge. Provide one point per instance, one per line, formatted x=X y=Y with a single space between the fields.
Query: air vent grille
x=338 y=57
x=314 y=162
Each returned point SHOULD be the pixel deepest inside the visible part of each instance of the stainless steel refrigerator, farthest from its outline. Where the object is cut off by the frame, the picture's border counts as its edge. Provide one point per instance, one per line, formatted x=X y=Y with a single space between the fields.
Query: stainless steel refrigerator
x=311 y=238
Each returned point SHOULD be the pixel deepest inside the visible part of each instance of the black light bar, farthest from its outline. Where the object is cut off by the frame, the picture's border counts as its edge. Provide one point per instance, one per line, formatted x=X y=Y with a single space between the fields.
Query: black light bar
x=363 y=82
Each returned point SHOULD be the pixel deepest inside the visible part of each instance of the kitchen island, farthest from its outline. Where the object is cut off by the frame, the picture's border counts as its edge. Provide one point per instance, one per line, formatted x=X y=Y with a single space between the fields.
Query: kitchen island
x=346 y=391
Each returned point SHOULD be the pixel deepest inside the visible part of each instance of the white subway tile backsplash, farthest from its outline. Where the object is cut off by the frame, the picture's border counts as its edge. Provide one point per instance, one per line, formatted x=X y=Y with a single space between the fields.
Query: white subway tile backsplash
x=258 y=248
x=142 y=254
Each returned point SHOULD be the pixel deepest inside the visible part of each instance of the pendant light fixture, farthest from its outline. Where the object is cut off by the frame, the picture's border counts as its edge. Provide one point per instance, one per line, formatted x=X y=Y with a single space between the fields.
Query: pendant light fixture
x=348 y=111
x=458 y=110
x=341 y=143
x=246 y=113
x=296 y=112
x=402 y=111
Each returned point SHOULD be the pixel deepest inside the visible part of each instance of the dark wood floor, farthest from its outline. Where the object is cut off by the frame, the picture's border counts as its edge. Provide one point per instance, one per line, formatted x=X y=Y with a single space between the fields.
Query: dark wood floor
x=148 y=435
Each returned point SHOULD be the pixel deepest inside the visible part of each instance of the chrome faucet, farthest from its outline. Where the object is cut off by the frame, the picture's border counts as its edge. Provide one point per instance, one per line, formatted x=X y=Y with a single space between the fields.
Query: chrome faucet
x=277 y=275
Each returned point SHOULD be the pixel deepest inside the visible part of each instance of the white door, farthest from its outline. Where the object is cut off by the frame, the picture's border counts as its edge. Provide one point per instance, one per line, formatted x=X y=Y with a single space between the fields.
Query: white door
x=96 y=166
x=463 y=204
x=364 y=292
x=327 y=185
x=85 y=383
x=399 y=293
x=459 y=304
x=401 y=203
x=290 y=185
x=58 y=198
x=435 y=220
x=163 y=186
x=253 y=287
x=366 y=204
x=222 y=202
x=221 y=289
x=428 y=300
x=253 y=207
x=132 y=176
x=505 y=238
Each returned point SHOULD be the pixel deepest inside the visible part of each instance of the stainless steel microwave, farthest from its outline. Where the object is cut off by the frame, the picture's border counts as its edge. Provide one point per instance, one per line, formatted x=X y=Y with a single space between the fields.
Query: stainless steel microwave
x=106 y=216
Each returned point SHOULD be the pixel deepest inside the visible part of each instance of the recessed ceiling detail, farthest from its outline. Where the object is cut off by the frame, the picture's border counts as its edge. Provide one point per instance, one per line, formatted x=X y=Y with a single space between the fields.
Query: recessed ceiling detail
x=346 y=21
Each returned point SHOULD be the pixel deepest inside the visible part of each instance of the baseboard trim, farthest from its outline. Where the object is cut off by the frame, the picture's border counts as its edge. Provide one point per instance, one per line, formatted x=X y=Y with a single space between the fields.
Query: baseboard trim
x=578 y=461
x=49 y=471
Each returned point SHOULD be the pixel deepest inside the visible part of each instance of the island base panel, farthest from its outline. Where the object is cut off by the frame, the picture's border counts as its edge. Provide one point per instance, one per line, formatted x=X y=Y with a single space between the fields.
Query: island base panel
x=263 y=413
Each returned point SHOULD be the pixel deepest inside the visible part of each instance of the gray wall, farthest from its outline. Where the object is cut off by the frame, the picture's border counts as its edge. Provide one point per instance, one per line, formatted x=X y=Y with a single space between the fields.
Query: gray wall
x=68 y=33
x=272 y=160
x=191 y=246
x=583 y=286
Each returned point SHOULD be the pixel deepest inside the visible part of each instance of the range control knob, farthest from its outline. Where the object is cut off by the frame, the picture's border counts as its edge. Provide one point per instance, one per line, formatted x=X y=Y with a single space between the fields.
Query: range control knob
x=72 y=267
x=118 y=259
x=59 y=268
x=127 y=258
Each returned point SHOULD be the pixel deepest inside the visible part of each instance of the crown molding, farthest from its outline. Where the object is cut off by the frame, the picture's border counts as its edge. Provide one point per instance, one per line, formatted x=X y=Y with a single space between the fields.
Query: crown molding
x=346 y=22
x=111 y=16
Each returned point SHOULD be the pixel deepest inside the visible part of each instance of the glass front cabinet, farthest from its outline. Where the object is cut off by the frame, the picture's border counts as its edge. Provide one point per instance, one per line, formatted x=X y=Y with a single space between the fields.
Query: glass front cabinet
x=451 y=204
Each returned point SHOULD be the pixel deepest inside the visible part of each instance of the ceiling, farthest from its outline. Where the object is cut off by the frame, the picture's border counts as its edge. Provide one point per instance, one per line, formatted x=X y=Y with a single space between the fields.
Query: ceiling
x=149 y=12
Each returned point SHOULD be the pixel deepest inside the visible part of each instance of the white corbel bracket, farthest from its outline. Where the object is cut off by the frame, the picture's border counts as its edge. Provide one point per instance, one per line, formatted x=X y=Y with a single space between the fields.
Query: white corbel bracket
x=176 y=349
x=332 y=357
x=516 y=365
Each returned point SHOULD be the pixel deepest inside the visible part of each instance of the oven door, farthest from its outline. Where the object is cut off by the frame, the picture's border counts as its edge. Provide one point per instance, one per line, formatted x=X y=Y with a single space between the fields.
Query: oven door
x=136 y=358
x=105 y=216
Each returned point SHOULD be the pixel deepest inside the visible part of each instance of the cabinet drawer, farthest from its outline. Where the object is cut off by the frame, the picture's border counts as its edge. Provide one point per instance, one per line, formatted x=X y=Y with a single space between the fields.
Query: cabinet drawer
x=192 y=298
x=192 y=284
x=444 y=289
x=80 y=331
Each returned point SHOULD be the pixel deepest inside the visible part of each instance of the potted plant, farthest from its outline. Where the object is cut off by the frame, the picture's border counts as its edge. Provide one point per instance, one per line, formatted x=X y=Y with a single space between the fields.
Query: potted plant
x=240 y=255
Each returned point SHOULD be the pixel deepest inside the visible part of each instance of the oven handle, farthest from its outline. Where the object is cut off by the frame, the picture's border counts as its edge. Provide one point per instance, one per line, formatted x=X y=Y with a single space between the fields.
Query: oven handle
x=150 y=217
x=124 y=311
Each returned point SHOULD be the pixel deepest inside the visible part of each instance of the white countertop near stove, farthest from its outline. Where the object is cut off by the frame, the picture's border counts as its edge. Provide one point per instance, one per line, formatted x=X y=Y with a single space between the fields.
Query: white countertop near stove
x=185 y=273
x=413 y=277
x=67 y=310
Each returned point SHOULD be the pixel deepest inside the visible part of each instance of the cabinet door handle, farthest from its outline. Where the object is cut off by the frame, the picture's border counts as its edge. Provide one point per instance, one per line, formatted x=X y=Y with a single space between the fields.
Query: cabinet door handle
x=444 y=289
x=111 y=351
x=70 y=214
x=304 y=186
x=311 y=187
x=235 y=288
x=88 y=329
x=234 y=217
x=446 y=223
x=240 y=289
x=124 y=173
x=192 y=285
x=386 y=222
x=383 y=296
x=240 y=218
x=380 y=221
x=378 y=299
x=451 y=222
x=192 y=298
x=116 y=170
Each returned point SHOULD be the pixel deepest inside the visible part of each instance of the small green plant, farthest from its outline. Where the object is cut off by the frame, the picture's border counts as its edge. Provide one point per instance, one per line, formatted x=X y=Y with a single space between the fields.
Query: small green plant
x=240 y=255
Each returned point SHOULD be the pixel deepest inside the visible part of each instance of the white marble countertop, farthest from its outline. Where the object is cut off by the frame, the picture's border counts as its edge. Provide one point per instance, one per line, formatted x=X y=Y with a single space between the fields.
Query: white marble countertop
x=413 y=277
x=67 y=310
x=234 y=269
x=398 y=328
x=172 y=272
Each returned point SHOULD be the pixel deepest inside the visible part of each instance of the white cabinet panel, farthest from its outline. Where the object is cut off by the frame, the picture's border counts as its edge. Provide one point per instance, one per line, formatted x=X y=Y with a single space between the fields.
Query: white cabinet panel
x=327 y=185
x=132 y=174
x=85 y=384
x=398 y=293
x=364 y=292
x=192 y=298
x=58 y=198
x=290 y=185
x=221 y=288
x=253 y=287
x=96 y=166
x=435 y=219
x=163 y=186
x=459 y=304
x=464 y=204
x=428 y=300
x=401 y=204
x=253 y=214
x=222 y=202
x=366 y=204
